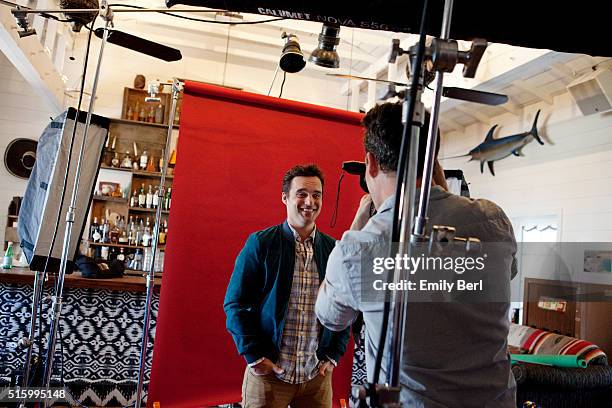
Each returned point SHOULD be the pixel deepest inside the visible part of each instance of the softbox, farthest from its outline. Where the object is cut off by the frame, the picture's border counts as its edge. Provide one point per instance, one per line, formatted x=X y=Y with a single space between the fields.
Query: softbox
x=41 y=203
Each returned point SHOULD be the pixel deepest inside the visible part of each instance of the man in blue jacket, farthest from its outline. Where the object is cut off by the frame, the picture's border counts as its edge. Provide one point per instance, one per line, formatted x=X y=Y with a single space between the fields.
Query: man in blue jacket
x=270 y=302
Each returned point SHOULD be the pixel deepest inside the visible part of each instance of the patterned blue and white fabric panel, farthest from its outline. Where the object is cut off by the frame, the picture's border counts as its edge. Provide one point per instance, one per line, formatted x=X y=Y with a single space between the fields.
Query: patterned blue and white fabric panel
x=100 y=341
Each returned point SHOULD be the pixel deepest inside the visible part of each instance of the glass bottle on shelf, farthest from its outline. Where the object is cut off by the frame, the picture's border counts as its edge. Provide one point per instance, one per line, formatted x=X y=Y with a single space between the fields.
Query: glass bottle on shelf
x=139 y=232
x=151 y=115
x=162 y=235
x=135 y=112
x=151 y=165
x=149 y=199
x=155 y=197
x=142 y=116
x=168 y=199
x=129 y=113
x=93 y=228
x=146 y=235
x=161 y=161
x=104 y=253
x=142 y=197
x=105 y=231
x=132 y=234
x=159 y=114
x=7 y=261
x=127 y=161
x=121 y=255
x=134 y=199
x=96 y=236
x=115 y=160
x=143 y=159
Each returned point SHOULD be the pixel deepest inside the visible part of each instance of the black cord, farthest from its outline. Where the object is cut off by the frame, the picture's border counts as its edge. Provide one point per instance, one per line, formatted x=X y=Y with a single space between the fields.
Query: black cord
x=199 y=19
x=334 y=218
x=400 y=177
x=282 y=84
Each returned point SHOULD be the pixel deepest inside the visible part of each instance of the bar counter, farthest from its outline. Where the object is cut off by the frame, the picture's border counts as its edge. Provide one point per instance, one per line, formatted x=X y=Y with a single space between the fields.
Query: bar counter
x=98 y=347
x=75 y=280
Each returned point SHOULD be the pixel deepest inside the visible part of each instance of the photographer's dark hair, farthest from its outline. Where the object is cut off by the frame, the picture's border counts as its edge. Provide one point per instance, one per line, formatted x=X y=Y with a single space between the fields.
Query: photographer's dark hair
x=383 y=136
x=307 y=170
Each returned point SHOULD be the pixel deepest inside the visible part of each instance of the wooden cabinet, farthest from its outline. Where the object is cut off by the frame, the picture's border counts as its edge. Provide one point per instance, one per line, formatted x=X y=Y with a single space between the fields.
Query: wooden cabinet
x=574 y=309
x=124 y=135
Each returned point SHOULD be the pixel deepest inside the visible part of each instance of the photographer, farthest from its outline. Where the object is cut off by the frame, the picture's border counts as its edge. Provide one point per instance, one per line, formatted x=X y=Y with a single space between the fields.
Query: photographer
x=454 y=353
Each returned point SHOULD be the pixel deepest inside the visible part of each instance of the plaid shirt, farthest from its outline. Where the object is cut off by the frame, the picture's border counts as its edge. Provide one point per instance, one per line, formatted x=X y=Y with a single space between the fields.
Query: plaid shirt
x=300 y=337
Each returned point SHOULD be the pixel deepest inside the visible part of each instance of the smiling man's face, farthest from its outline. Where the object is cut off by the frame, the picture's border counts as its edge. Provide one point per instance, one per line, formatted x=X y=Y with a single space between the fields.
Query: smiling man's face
x=303 y=201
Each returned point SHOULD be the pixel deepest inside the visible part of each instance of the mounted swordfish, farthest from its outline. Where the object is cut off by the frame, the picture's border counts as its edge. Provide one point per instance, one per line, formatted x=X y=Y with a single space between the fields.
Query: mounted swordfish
x=492 y=149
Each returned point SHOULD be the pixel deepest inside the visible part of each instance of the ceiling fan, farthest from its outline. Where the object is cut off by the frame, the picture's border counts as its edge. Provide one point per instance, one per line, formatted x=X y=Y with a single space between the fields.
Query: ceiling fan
x=468 y=95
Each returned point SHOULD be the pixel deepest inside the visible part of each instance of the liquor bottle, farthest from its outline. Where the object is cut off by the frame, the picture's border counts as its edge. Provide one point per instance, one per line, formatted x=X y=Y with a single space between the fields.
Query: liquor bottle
x=168 y=199
x=132 y=233
x=146 y=236
x=105 y=231
x=104 y=253
x=151 y=165
x=162 y=235
x=93 y=228
x=143 y=160
x=134 y=199
x=115 y=160
x=127 y=161
x=156 y=197
x=97 y=235
x=142 y=116
x=121 y=255
x=123 y=237
x=161 y=161
x=135 y=112
x=149 y=198
x=142 y=197
x=159 y=114
x=129 y=113
x=7 y=262
x=114 y=234
x=151 y=115
x=139 y=231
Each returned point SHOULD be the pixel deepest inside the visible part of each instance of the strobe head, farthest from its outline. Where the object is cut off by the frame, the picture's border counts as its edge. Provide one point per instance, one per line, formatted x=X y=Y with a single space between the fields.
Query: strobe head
x=325 y=55
x=292 y=59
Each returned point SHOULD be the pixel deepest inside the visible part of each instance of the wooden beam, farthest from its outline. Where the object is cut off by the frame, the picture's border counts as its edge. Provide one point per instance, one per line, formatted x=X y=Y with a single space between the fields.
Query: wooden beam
x=524 y=86
x=33 y=62
x=512 y=107
x=480 y=117
x=452 y=124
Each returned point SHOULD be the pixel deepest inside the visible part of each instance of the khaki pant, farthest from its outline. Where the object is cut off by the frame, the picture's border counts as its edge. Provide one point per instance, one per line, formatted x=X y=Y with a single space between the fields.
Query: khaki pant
x=267 y=391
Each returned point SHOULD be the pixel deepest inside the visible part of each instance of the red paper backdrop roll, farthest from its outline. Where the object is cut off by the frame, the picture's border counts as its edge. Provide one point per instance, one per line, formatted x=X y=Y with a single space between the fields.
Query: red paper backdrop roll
x=233 y=150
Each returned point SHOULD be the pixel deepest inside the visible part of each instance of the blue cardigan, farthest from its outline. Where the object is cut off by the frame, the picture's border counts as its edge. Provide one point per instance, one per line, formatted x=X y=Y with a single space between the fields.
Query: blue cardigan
x=257 y=297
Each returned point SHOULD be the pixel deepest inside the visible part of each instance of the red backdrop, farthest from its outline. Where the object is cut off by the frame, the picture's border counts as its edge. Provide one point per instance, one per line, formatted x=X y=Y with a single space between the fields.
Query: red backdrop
x=233 y=150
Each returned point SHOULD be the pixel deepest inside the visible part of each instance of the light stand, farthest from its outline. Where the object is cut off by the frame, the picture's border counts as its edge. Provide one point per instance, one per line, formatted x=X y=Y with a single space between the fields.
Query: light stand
x=442 y=56
x=56 y=308
x=177 y=86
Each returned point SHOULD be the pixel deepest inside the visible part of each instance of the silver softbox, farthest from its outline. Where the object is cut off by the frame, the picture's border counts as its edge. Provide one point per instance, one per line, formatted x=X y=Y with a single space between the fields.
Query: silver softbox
x=41 y=202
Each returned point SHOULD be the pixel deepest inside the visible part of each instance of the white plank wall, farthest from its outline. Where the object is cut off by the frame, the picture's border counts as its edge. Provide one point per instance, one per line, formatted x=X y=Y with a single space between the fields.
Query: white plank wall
x=22 y=114
x=570 y=177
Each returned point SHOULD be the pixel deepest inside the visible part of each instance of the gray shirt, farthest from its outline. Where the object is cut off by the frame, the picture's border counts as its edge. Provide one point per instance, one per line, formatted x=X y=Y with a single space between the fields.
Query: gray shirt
x=454 y=352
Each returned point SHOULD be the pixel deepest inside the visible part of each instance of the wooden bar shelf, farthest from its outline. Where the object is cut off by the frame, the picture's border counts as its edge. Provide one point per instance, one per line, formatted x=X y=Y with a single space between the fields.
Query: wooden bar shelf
x=108 y=244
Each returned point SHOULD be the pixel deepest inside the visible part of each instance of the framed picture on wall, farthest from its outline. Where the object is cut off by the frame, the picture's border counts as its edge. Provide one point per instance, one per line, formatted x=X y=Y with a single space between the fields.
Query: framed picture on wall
x=597 y=261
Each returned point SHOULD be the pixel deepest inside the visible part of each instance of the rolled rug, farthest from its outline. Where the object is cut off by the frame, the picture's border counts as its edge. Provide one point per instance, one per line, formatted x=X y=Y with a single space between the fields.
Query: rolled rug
x=551 y=360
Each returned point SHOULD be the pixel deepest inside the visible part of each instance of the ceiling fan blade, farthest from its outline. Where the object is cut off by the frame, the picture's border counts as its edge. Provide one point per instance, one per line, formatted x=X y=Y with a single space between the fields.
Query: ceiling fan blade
x=471 y=95
x=141 y=45
x=368 y=79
